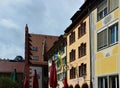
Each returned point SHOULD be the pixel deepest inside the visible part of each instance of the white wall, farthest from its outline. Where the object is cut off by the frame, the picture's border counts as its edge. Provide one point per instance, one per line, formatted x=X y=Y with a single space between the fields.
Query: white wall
x=39 y=72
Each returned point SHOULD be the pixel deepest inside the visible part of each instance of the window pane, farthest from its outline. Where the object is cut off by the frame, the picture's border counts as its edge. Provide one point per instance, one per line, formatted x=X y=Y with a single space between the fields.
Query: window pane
x=116 y=32
x=113 y=34
x=35 y=57
x=113 y=4
x=102 y=9
x=105 y=11
x=34 y=48
x=102 y=82
x=102 y=39
x=114 y=82
x=84 y=69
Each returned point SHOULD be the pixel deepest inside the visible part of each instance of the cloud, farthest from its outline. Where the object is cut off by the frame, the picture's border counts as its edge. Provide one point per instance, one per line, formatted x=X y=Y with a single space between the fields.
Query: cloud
x=49 y=17
x=10 y=51
x=9 y=24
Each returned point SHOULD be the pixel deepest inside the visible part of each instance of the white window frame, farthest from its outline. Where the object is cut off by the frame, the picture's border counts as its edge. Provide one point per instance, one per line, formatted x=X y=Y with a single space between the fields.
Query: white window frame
x=116 y=41
x=108 y=28
x=108 y=81
x=116 y=81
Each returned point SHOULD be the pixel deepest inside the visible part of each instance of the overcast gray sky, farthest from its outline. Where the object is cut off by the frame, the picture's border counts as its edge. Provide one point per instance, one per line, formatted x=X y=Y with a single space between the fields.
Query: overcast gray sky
x=49 y=17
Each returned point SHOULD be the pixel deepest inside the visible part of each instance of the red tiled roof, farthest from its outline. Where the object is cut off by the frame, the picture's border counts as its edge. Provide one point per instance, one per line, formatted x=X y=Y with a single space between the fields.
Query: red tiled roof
x=7 y=67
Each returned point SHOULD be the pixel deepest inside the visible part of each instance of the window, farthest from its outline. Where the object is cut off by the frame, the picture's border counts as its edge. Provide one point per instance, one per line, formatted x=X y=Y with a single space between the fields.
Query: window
x=102 y=10
x=64 y=61
x=107 y=37
x=102 y=82
x=82 y=50
x=62 y=49
x=82 y=29
x=113 y=4
x=35 y=57
x=113 y=34
x=34 y=48
x=72 y=38
x=102 y=39
x=72 y=55
x=72 y=73
x=58 y=63
x=114 y=81
x=111 y=81
x=82 y=70
x=106 y=6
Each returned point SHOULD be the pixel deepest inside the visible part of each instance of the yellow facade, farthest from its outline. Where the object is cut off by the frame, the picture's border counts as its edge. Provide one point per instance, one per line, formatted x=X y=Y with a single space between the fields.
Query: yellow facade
x=106 y=64
x=78 y=61
x=107 y=59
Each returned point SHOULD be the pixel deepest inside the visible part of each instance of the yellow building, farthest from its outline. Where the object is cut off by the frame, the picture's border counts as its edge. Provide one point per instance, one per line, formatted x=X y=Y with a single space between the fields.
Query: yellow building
x=78 y=49
x=106 y=44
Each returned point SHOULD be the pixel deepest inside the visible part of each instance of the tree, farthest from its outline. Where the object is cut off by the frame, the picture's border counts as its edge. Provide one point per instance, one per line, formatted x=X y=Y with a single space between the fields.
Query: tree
x=6 y=82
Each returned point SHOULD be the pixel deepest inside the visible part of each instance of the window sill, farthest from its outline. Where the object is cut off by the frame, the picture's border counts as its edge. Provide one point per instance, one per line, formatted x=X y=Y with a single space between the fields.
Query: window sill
x=81 y=35
x=72 y=78
x=71 y=43
x=84 y=75
x=107 y=46
x=81 y=56
x=72 y=60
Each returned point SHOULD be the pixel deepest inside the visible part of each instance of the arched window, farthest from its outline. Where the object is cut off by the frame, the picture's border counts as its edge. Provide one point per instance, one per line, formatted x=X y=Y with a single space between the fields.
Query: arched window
x=72 y=73
x=82 y=50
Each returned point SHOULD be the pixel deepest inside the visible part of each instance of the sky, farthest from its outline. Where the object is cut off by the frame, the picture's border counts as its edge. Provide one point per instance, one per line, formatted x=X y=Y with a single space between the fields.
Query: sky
x=49 y=17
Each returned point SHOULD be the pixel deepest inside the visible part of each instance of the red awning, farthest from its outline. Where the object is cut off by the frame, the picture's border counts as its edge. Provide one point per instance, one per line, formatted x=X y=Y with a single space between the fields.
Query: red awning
x=53 y=76
x=26 y=84
x=65 y=83
x=35 y=80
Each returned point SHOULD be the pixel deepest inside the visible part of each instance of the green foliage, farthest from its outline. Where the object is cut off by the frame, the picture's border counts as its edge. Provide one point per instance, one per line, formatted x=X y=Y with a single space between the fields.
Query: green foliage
x=6 y=82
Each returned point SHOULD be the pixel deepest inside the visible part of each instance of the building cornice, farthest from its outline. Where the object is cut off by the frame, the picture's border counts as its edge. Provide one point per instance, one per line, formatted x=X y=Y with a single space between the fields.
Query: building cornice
x=83 y=11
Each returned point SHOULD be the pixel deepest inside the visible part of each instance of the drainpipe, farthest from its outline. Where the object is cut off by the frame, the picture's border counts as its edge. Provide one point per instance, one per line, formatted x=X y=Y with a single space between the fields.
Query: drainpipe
x=91 y=45
x=91 y=38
